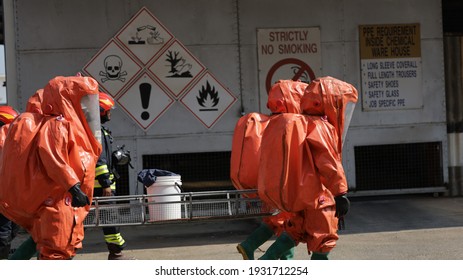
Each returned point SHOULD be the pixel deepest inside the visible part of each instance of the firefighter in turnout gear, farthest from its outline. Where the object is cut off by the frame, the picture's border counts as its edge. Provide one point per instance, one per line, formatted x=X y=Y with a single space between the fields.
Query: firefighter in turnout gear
x=105 y=181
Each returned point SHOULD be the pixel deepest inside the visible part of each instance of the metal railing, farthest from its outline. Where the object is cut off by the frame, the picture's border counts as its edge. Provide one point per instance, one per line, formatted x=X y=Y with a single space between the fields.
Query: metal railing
x=177 y=207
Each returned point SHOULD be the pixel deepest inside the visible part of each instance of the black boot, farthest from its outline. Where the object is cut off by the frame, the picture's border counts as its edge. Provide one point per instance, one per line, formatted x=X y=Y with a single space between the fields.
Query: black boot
x=115 y=253
x=281 y=245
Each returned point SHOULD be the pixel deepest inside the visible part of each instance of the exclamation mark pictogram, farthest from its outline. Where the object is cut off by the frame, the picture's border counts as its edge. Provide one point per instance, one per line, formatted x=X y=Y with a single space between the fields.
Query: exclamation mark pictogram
x=145 y=93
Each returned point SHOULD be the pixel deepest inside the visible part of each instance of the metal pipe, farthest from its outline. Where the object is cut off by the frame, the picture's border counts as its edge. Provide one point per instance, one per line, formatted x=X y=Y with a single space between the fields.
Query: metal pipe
x=454 y=102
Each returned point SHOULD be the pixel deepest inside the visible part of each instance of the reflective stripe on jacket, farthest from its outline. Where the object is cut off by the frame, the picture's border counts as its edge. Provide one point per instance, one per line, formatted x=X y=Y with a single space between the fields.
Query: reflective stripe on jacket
x=104 y=176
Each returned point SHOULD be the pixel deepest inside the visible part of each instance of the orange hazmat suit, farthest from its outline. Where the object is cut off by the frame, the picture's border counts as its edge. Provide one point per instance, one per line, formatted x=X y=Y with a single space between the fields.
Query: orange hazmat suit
x=301 y=163
x=284 y=97
x=245 y=155
x=48 y=150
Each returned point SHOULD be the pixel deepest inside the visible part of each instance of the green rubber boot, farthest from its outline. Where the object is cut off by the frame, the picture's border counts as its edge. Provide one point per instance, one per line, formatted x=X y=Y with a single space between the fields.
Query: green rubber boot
x=4 y=251
x=281 y=245
x=253 y=241
x=25 y=251
x=288 y=255
x=319 y=256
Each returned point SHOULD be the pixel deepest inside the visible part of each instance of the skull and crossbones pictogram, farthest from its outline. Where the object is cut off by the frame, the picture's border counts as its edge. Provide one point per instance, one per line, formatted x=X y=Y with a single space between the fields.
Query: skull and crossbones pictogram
x=113 y=67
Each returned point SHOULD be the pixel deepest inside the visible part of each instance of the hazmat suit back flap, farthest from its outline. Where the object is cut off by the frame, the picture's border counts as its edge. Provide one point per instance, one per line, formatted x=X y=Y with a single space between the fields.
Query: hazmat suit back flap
x=48 y=150
x=245 y=153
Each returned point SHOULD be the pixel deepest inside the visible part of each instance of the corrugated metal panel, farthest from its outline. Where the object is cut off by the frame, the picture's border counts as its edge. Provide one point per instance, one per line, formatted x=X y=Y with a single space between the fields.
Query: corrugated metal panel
x=50 y=33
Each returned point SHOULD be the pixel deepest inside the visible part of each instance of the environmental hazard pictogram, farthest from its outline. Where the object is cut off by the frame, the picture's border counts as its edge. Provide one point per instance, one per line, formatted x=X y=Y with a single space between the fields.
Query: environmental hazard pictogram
x=176 y=68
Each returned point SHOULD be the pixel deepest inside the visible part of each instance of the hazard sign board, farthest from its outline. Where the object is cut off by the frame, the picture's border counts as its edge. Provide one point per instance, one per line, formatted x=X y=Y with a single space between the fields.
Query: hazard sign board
x=176 y=68
x=287 y=53
x=144 y=100
x=144 y=36
x=146 y=69
x=112 y=67
x=208 y=100
x=391 y=66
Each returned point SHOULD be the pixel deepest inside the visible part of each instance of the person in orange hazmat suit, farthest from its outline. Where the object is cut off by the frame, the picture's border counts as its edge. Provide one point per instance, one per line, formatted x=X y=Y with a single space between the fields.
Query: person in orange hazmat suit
x=301 y=168
x=27 y=249
x=283 y=97
x=48 y=184
x=8 y=229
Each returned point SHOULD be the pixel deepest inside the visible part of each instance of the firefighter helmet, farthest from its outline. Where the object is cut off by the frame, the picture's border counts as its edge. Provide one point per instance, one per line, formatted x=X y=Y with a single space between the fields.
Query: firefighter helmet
x=7 y=114
x=106 y=103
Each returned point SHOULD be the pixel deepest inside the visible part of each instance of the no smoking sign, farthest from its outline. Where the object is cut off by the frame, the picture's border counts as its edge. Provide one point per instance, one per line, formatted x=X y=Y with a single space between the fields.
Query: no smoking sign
x=289 y=68
x=287 y=54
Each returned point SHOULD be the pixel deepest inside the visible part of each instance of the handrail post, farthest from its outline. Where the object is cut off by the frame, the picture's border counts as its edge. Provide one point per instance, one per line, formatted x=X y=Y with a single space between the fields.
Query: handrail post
x=191 y=205
x=97 y=213
x=143 y=209
x=237 y=204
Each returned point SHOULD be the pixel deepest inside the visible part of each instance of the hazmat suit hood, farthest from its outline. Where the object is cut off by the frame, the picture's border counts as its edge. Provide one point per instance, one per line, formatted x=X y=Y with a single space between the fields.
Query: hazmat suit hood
x=285 y=96
x=34 y=104
x=328 y=96
x=65 y=95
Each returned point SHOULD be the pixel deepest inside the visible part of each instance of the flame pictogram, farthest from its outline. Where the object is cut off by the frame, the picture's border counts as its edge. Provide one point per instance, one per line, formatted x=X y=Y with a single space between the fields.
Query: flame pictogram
x=208 y=98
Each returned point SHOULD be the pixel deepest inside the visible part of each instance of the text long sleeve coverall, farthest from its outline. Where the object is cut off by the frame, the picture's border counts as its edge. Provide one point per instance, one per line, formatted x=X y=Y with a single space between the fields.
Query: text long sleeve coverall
x=46 y=152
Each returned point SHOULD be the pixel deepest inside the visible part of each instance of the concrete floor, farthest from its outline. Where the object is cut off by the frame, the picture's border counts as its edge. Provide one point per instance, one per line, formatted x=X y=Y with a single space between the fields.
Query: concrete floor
x=413 y=227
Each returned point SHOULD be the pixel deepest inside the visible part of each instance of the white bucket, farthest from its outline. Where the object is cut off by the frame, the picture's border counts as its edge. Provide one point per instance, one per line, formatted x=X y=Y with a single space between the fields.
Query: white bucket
x=164 y=186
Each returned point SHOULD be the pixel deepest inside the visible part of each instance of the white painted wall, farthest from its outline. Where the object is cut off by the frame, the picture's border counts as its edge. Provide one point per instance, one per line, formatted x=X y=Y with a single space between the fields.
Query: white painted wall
x=59 y=37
